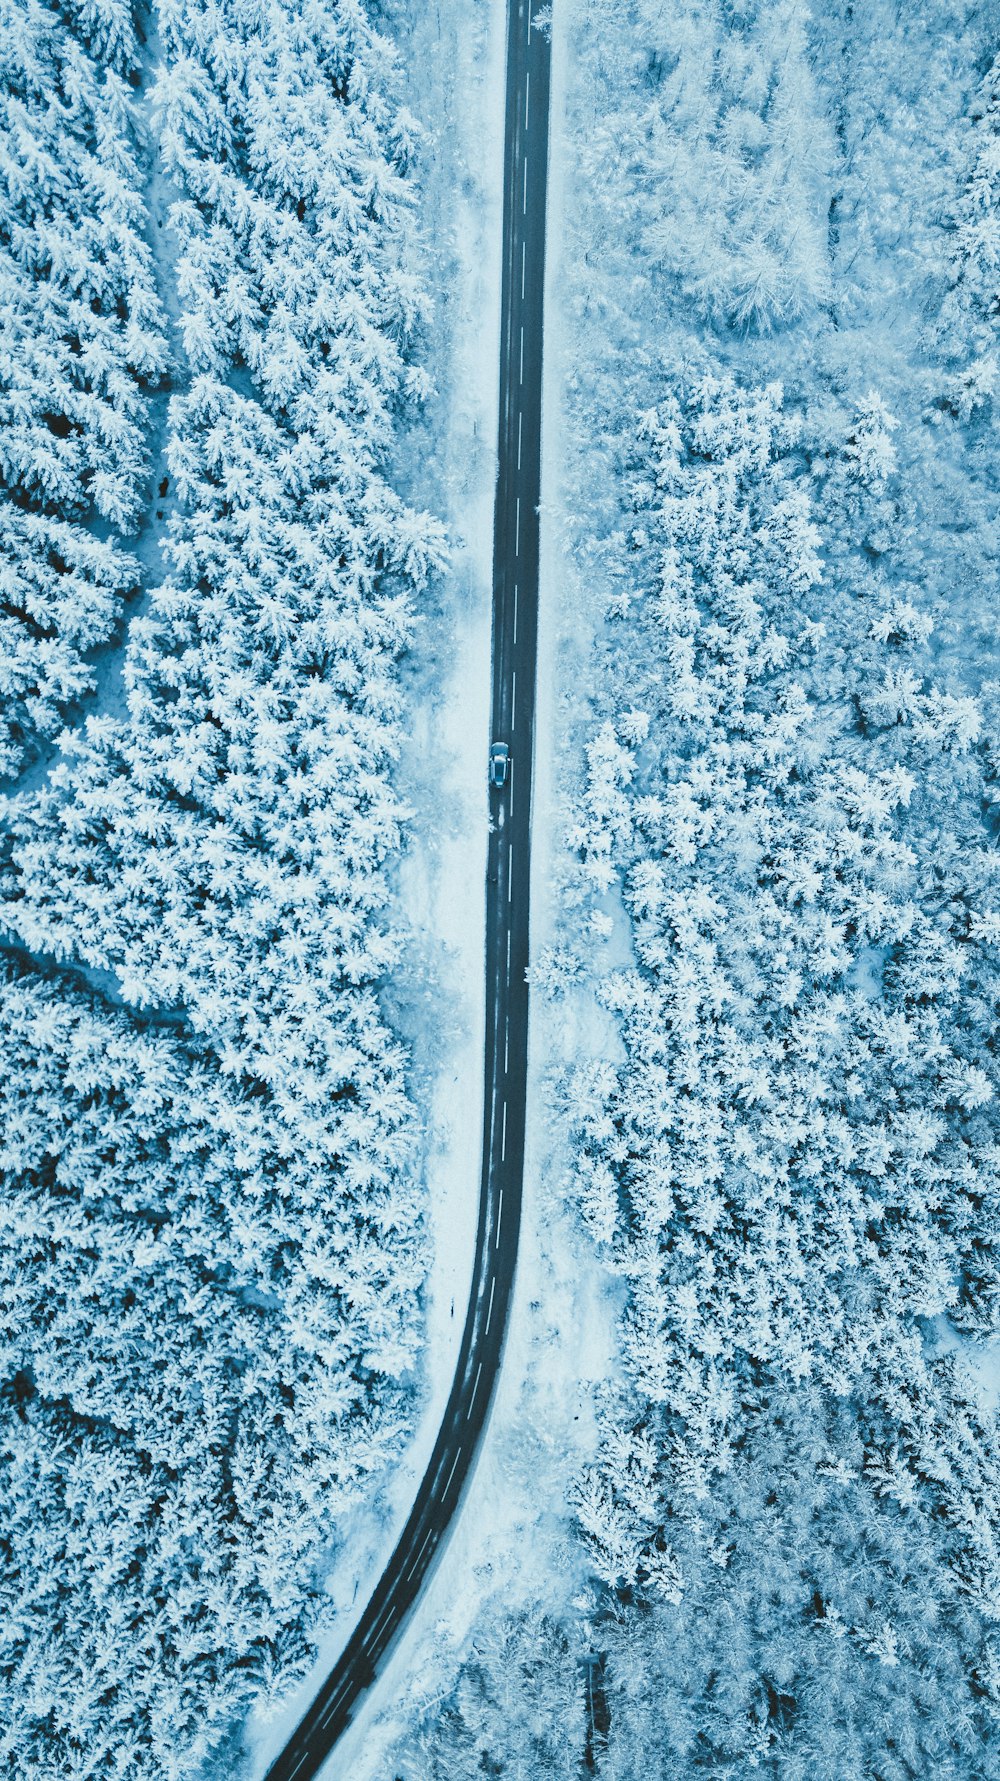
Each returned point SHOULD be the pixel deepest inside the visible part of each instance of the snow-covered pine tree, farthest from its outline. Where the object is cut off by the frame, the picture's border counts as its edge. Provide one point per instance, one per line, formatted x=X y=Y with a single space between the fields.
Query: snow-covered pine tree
x=81 y=343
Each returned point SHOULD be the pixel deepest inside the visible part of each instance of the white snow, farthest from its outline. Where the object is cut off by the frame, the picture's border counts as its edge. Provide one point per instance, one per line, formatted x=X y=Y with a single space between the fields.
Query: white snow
x=512 y=1536
x=978 y=1362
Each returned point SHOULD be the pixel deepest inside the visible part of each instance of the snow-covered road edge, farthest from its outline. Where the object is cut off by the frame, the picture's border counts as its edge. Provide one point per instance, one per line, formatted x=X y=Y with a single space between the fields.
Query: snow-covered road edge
x=452 y=59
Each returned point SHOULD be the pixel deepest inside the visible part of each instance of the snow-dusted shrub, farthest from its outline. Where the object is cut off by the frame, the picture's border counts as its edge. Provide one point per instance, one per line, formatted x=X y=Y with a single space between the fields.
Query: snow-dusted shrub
x=727 y=172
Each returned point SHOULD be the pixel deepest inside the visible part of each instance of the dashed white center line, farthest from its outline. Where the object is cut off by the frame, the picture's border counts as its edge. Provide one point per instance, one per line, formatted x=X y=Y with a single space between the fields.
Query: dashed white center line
x=510 y=875
x=369 y=1637
x=508 y=952
x=489 y=1314
x=513 y=697
x=333 y=1705
x=515 y=612
x=420 y=1554
x=475 y=1388
x=506 y=1046
x=451 y=1474
x=496 y=1239
x=524 y=200
x=523 y=252
x=520 y=419
x=521 y=373
x=503 y=1136
x=527 y=95
x=517 y=527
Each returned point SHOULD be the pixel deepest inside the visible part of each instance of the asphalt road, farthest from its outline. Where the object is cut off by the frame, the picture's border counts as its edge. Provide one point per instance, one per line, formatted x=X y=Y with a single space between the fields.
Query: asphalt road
x=515 y=612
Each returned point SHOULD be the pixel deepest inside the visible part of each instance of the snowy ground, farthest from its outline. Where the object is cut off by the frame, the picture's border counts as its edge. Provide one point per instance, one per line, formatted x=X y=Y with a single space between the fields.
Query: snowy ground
x=978 y=1362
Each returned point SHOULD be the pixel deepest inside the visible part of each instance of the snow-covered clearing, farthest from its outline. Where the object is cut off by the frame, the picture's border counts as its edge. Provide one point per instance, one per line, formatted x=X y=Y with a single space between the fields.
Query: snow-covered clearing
x=978 y=1362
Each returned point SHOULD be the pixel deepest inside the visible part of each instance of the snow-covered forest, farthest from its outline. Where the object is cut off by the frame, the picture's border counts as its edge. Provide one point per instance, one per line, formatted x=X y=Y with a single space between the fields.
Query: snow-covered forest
x=212 y=1252
x=768 y=1539
x=778 y=518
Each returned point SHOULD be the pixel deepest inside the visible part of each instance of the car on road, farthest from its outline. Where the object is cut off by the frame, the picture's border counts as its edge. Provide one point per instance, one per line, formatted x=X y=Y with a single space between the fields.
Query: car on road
x=499 y=763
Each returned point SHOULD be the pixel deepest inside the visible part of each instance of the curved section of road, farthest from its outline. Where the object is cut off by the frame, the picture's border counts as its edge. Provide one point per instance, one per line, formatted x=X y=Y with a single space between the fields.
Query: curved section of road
x=515 y=607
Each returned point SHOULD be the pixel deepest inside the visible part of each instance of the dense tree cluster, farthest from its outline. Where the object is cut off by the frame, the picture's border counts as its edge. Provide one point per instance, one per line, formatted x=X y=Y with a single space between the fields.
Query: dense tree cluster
x=726 y=111
x=212 y=1253
x=798 y=1161
x=965 y=328
x=518 y=1709
x=794 y=1516
x=223 y=845
x=794 y=1171
x=81 y=343
x=192 y=1324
